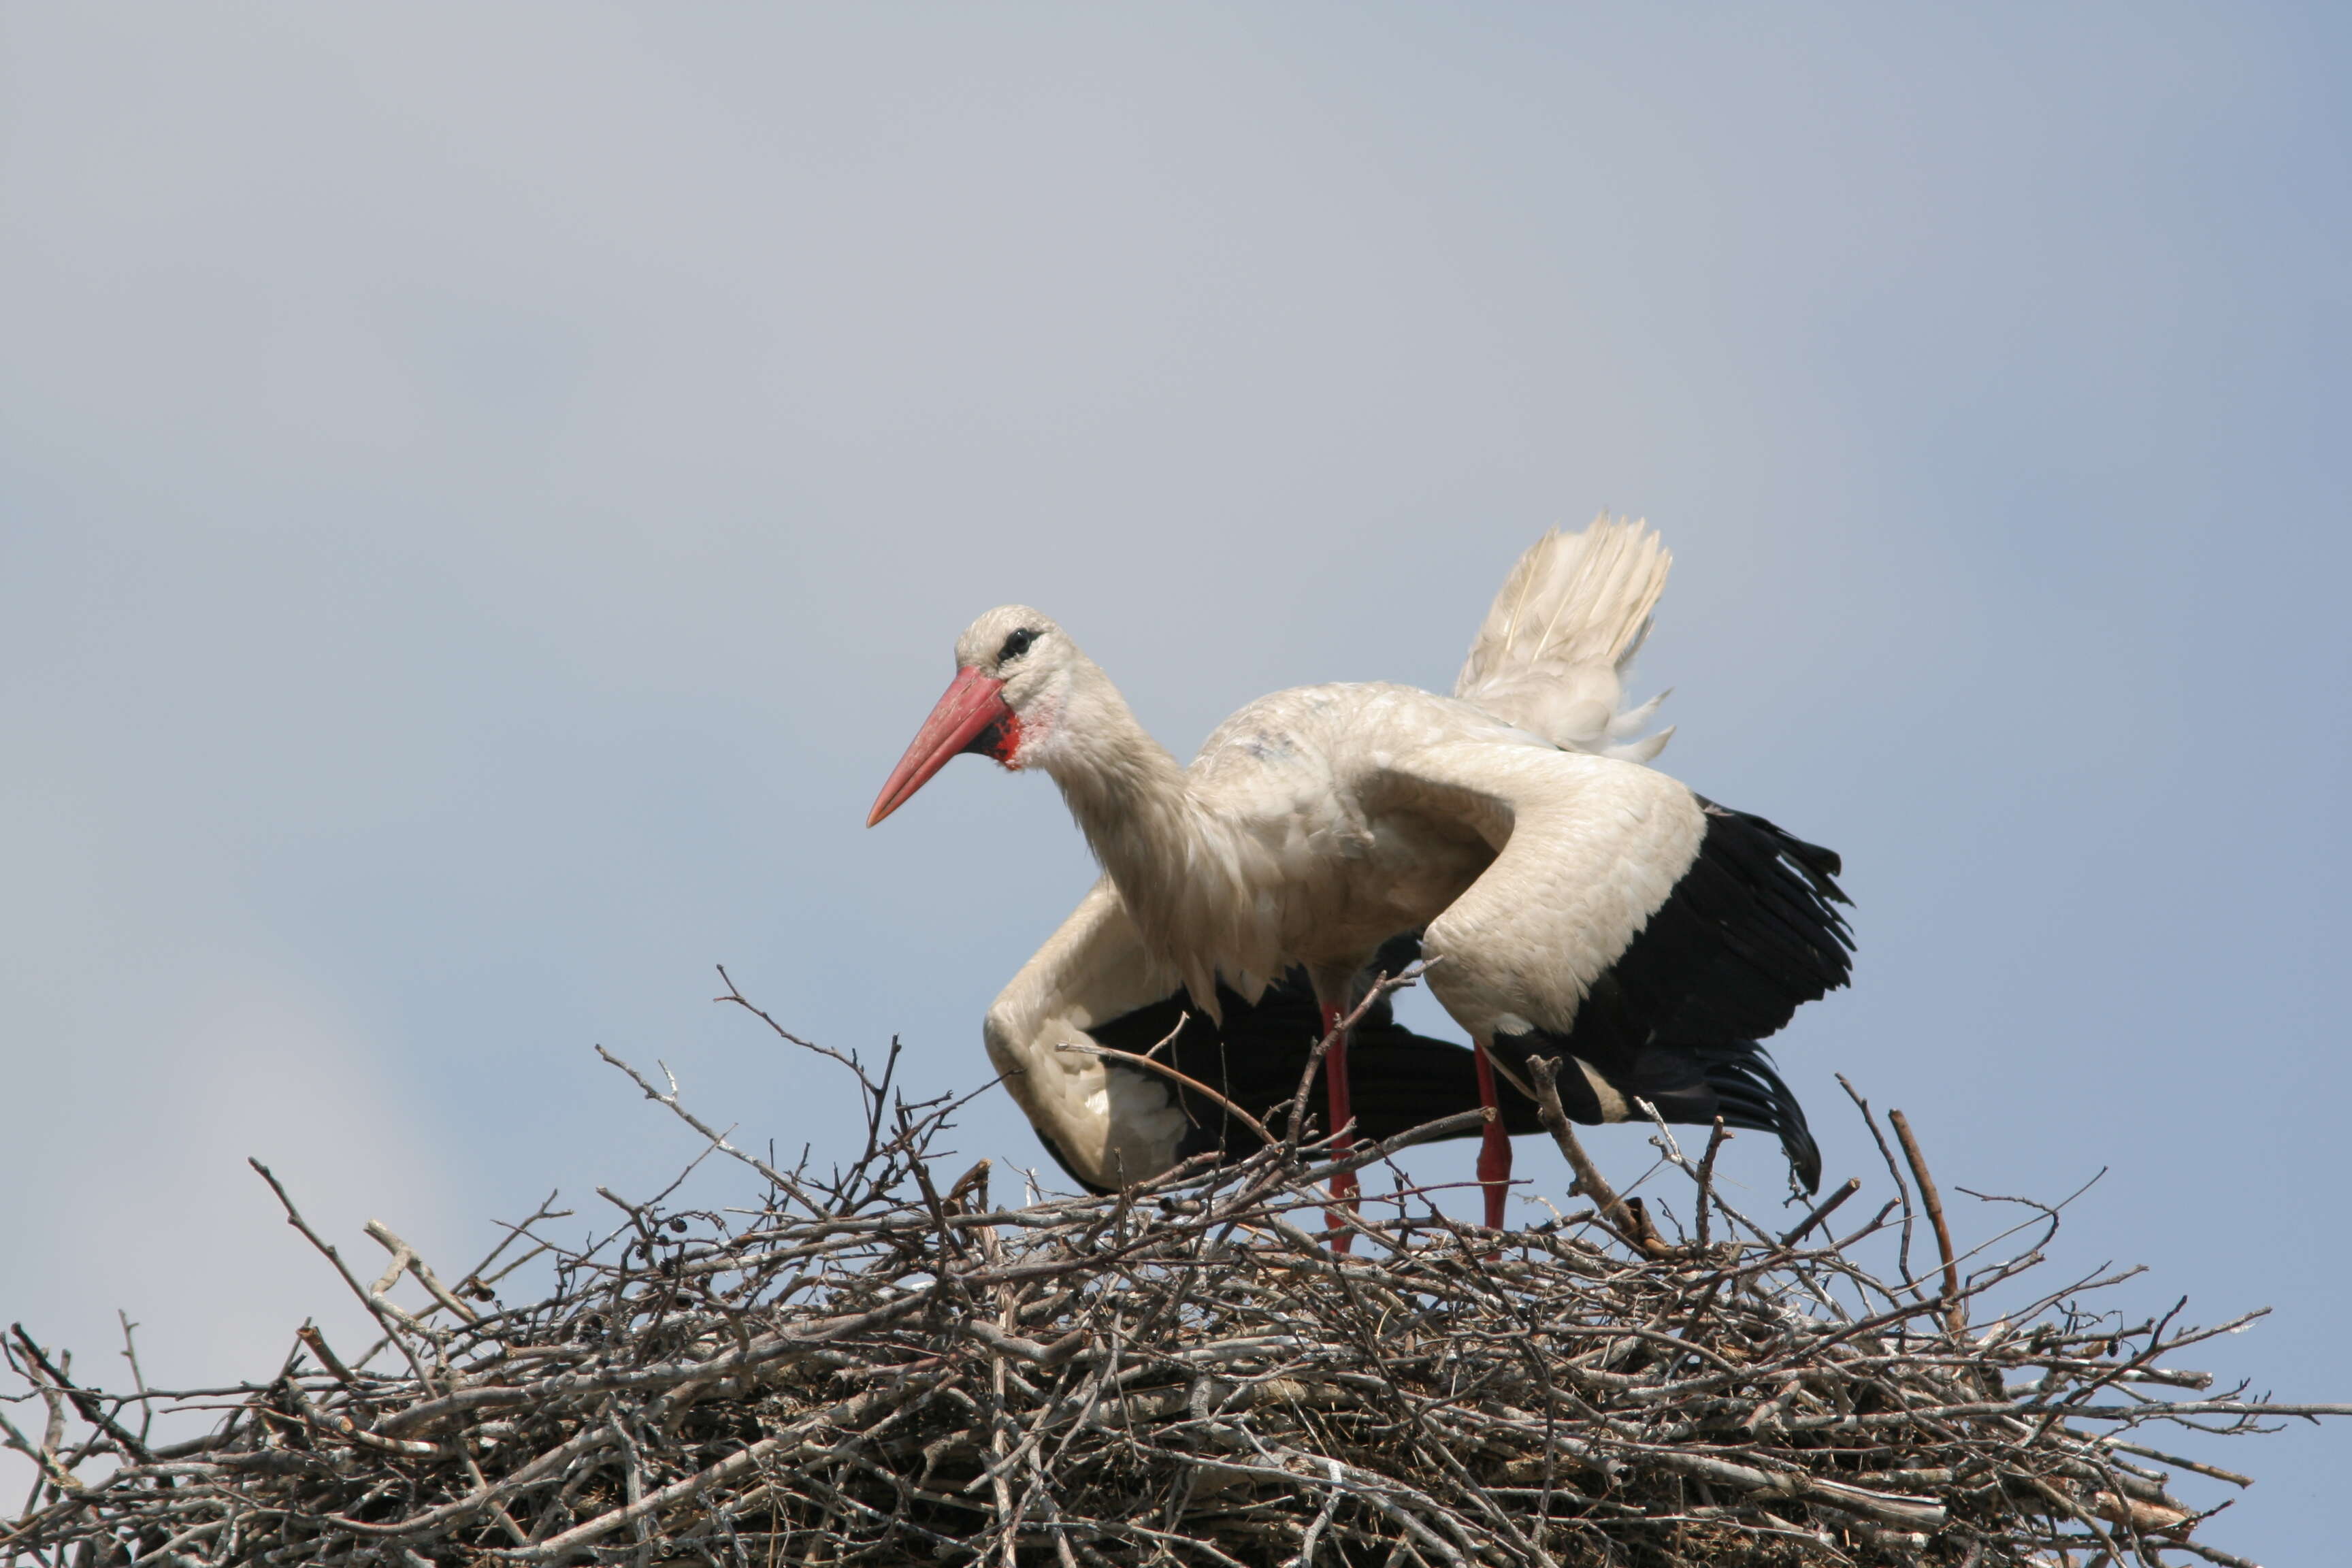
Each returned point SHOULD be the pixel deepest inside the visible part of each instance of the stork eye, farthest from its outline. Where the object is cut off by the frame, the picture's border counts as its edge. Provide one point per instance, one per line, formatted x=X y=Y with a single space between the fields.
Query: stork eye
x=1016 y=646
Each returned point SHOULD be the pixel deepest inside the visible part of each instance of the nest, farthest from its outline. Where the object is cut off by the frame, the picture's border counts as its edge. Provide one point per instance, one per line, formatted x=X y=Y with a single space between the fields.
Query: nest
x=875 y=1364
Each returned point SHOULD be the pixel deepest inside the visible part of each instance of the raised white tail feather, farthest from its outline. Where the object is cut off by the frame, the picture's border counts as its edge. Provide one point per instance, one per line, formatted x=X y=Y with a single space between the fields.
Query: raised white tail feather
x=1553 y=652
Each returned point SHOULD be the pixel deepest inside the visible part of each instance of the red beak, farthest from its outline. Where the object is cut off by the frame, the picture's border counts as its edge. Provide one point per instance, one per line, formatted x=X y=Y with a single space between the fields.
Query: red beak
x=973 y=704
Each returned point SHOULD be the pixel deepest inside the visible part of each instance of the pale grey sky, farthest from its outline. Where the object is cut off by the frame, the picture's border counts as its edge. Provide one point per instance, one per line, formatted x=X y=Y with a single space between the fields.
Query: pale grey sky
x=487 y=493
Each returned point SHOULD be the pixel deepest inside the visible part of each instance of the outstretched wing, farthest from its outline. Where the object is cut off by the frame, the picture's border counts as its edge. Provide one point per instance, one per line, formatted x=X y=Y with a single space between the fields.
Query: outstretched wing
x=1626 y=922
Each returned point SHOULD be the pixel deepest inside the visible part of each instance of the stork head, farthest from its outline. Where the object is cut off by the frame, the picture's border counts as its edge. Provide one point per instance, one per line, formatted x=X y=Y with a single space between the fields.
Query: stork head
x=1013 y=671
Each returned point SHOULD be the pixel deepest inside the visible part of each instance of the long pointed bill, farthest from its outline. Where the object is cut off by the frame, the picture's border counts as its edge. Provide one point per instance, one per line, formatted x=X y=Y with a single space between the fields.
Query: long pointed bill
x=973 y=703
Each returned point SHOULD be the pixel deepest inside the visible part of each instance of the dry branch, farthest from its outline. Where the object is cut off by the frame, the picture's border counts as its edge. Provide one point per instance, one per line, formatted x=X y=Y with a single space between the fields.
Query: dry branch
x=1933 y=1203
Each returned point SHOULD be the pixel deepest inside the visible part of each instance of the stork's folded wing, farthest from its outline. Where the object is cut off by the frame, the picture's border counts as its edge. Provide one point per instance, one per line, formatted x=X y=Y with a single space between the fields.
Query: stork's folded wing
x=1626 y=922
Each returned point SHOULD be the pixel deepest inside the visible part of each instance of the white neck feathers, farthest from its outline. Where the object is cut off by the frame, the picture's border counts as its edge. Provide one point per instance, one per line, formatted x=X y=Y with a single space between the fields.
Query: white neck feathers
x=1177 y=863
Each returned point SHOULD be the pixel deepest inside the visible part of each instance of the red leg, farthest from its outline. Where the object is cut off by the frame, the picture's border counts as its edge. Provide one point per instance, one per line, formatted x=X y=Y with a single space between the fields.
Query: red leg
x=1335 y=1089
x=1494 y=1147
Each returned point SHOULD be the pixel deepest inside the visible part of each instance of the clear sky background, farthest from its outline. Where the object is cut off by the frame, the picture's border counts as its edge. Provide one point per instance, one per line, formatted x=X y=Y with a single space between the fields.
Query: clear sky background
x=486 y=494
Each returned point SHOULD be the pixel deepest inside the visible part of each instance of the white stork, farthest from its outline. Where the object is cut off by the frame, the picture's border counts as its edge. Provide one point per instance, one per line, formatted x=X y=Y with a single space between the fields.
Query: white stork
x=1573 y=901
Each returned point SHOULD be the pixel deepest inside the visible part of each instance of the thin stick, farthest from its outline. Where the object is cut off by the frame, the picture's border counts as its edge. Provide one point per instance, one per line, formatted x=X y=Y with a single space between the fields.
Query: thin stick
x=2232 y=1476
x=1715 y=1141
x=309 y=1335
x=1589 y=1180
x=1901 y=1189
x=375 y=1305
x=1821 y=1211
x=137 y=1377
x=1956 y=1308
x=83 y=1399
x=405 y=1258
